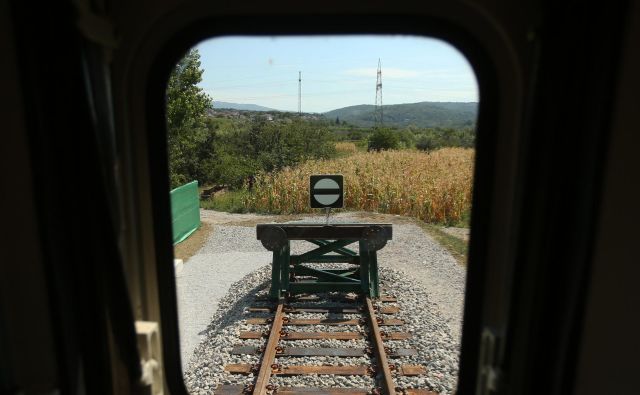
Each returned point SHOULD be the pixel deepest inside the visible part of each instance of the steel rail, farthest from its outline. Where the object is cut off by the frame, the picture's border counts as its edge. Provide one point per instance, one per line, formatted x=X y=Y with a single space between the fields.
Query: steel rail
x=268 y=358
x=273 y=349
x=388 y=387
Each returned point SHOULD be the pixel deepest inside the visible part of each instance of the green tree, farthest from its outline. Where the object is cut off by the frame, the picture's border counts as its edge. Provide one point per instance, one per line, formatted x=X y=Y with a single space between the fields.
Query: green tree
x=425 y=143
x=383 y=139
x=187 y=106
x=407 y=139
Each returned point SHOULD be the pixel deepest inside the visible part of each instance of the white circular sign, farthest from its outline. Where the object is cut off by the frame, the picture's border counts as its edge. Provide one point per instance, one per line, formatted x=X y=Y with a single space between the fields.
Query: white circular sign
x=326 y=183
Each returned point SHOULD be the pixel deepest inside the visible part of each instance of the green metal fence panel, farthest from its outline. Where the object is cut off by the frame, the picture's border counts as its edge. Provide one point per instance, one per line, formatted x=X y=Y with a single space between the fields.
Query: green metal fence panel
x=185 y=211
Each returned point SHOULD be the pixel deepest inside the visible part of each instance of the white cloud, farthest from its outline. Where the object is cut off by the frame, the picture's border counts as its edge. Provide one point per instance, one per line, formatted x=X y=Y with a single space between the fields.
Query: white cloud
x=386 y=72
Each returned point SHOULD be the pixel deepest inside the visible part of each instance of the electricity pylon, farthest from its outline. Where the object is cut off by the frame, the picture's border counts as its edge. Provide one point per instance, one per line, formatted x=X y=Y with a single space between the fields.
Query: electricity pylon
x=378 y=116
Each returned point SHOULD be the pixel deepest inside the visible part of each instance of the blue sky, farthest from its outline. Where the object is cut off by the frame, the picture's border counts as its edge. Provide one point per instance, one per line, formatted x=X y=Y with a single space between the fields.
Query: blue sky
x=336 y=71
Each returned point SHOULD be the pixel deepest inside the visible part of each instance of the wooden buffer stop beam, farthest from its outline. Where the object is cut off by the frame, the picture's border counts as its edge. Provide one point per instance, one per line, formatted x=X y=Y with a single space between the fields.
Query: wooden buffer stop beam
x=291 y=274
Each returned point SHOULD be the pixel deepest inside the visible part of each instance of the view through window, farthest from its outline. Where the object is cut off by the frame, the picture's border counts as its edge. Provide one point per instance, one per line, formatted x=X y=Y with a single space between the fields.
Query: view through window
x=275 y=294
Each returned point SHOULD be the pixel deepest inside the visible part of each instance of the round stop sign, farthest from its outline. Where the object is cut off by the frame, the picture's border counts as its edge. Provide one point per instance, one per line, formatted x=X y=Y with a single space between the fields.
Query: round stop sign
x=326 y=191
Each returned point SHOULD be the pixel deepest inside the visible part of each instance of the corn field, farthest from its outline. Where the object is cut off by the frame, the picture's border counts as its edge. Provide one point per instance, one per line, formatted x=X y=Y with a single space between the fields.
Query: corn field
x=345 y=147
x=434 y=187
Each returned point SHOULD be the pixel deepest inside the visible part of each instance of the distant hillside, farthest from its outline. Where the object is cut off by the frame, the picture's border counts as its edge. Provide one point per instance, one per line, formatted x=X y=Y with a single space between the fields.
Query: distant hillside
x=423 y=114
x=239 y=106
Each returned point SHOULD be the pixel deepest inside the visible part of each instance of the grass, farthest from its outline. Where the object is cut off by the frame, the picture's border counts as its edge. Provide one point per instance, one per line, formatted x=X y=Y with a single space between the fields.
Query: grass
x=464 y=221
x=228 y=201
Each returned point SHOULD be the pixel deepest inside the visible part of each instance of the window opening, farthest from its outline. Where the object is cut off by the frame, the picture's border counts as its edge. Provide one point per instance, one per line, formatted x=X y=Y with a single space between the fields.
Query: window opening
x=250 y=120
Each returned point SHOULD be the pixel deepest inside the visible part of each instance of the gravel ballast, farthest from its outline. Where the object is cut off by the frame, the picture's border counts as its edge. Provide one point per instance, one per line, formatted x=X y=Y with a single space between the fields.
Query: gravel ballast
x=219 y=282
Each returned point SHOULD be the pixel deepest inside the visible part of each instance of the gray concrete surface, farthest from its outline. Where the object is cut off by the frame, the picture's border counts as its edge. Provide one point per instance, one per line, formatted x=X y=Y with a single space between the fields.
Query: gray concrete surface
x=203 y=281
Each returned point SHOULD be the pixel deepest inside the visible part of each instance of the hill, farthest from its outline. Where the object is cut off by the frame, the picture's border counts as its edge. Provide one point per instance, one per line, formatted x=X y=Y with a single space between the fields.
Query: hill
x=423 y=114
x=240 y=106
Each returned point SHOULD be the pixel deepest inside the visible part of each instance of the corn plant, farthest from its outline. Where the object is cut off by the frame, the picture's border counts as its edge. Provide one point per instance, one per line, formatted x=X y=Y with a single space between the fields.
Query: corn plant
x=434 y=187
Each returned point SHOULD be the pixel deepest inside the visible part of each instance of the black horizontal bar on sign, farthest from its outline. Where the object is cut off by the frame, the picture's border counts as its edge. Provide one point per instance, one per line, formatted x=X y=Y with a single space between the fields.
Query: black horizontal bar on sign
x=327 y=191
x=326 y=232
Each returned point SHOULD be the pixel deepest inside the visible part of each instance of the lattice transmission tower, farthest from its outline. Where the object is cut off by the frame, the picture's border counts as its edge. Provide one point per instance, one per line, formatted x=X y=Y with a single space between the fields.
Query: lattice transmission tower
x=378 y=116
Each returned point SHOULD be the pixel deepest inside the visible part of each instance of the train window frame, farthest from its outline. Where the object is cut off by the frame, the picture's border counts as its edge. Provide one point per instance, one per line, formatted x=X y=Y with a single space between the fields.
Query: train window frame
x=493 y=94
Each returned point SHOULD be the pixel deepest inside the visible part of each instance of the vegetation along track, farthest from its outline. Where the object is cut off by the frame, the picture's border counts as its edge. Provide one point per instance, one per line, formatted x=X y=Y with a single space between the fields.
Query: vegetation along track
x=274 y=355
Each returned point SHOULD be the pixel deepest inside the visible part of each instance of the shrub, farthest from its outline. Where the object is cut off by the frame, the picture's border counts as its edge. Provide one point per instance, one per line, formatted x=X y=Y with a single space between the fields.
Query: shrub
x=425 y=143
x=383 y=139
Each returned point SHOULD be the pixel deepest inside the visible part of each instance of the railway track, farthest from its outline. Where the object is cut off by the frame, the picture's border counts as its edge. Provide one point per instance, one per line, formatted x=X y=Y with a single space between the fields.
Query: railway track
x=380 y=331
